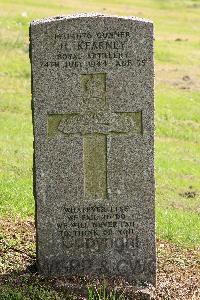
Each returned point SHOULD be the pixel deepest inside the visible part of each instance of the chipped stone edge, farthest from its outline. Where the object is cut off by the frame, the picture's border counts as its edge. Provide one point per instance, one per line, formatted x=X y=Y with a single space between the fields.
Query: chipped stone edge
x=86 y=15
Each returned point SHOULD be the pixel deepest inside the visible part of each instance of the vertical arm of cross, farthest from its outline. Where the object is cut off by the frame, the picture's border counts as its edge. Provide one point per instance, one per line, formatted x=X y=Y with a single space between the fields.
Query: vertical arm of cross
x=94 y=143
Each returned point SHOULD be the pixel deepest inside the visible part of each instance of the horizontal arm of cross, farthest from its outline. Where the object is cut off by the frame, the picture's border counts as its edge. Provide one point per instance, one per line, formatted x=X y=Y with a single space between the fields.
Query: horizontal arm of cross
x=108 y=123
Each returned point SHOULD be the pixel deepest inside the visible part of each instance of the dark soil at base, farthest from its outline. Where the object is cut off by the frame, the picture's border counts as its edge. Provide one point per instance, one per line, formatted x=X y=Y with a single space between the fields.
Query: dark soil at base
x=178 y=274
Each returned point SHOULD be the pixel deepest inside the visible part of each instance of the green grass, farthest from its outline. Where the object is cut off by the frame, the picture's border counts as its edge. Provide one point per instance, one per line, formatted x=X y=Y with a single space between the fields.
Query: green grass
x=29 y=293
x=175 y=226
x=177 y=107
x=33 y=292
x=102 y=293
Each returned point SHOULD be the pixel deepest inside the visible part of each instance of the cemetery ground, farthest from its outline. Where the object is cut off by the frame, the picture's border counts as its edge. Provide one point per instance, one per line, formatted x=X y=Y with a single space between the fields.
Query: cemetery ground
x=177 y=108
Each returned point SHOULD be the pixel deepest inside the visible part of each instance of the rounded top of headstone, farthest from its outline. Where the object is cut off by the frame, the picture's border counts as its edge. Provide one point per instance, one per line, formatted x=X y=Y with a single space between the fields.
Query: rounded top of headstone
x=87 y=15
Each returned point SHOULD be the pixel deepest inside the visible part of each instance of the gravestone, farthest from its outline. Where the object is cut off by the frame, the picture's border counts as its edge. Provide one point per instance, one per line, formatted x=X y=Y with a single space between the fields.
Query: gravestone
x=92 y=103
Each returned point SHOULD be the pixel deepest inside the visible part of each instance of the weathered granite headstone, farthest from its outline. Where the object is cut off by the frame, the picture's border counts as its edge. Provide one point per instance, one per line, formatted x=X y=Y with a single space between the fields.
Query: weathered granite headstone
x=92 y=101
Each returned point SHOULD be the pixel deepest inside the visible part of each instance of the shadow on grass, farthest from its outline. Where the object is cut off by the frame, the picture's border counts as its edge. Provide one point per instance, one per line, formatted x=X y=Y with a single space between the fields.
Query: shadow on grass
x=29 y=285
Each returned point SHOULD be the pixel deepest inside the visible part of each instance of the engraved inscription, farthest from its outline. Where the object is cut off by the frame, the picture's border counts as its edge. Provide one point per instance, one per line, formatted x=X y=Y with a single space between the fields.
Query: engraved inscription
x=94 y=50
x=97 y=225
x=127 y=266
x=94 y=122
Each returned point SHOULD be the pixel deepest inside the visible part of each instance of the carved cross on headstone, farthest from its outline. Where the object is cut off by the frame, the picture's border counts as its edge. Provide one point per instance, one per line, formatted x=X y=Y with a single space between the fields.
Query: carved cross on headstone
x=95 y=123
